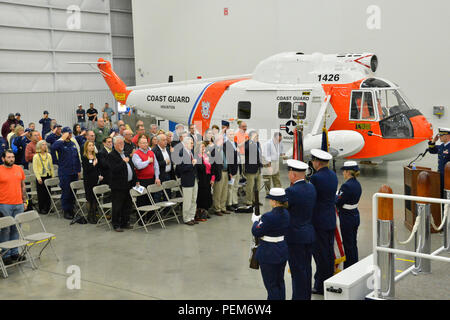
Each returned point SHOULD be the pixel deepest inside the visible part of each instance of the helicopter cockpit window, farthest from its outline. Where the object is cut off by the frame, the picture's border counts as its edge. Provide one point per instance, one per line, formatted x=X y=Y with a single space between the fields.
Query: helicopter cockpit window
x=299 y=110
x=390 y=102
x=396 y=126
x=284 y=110
x=361 y=107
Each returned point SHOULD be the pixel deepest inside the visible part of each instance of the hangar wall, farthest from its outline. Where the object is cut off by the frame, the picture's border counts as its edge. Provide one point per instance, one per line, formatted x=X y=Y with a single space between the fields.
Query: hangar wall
x=190 y=38
x=39 y=37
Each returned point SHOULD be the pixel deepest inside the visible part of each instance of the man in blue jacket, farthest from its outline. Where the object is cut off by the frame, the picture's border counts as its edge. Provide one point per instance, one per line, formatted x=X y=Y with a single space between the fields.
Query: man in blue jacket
x=324 y=218
x=301 y=235
x=69 y=169
x=45 y=121
x=51 y=138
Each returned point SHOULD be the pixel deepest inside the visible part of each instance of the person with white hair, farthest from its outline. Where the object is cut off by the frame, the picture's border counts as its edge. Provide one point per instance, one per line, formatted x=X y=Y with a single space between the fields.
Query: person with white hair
x=43 y=170
x=186 y=171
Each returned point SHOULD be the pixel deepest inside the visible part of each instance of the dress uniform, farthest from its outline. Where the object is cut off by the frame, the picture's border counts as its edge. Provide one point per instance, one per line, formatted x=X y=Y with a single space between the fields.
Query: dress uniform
x=301 y=235
x=347 y=205
x=272 y=252
x=68 y=169
x=324 y=220
x=443 y=151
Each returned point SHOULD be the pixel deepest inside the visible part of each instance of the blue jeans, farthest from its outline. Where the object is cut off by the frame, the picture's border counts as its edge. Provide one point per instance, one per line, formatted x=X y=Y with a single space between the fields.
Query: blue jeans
x=10 y=233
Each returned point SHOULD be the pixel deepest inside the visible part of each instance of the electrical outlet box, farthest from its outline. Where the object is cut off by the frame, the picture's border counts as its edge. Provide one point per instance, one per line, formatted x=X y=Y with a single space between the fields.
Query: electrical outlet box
x=438 y=111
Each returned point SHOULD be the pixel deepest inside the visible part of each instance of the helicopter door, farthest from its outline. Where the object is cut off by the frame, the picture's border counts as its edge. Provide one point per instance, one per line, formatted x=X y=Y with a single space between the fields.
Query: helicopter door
x=362 y=106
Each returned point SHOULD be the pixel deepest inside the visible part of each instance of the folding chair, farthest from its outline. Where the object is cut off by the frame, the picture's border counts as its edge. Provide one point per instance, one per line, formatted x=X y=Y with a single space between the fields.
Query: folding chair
x=174 y=186
x=6 y=222
x=77 y=187
x=166 y=205
x=26 y=172
x=35 y=238
x=52 y=188
x=30 y=184
x=55 y=169
x=100 y=192
x=142 y=211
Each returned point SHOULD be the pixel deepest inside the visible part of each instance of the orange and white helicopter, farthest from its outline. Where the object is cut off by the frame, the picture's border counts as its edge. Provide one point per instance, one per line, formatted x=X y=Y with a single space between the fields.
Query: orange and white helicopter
x=368 y=118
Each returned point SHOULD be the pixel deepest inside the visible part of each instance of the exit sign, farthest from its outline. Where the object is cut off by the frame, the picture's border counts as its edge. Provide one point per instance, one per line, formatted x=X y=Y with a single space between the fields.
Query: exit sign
x=225 y=11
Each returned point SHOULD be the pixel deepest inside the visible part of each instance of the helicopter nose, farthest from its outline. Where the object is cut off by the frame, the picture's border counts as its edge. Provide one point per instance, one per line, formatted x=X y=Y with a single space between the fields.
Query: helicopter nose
x=422 y=128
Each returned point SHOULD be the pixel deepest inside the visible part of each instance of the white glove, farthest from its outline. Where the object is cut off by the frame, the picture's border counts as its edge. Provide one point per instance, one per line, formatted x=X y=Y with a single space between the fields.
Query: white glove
x=255 y=217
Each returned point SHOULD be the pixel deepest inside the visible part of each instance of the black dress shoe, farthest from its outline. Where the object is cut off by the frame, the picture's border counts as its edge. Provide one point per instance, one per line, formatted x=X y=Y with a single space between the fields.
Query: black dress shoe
x=189 y=223
x=315 y=291
x=68 y=215
x=230 y=208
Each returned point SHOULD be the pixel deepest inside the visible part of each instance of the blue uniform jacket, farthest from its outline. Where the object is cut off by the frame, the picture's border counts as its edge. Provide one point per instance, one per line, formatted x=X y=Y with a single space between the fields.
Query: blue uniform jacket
x=301 y=199
x=443 y=155
x=45 y=125
x=3 y=147
x=274 y=223
x=69 y=162
x=326 y=182
x=51 y=138
x=349 y=193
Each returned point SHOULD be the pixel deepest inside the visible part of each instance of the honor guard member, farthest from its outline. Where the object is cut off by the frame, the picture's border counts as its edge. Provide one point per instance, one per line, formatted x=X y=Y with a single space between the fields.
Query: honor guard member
x=272 y=252
x=301 y=235
x=443 y=151
x=324 y=218
x=69 y=169
x=347 y=205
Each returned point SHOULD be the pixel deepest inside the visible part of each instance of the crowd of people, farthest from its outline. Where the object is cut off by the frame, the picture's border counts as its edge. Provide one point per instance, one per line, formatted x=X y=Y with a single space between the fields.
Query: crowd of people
x=211 y=167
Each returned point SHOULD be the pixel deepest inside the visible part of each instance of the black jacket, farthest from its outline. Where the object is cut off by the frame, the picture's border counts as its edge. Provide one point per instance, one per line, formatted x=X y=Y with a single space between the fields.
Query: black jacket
x=231 y=158
x=216 y=160
x=103 y=165
x=162 y=163
x=252 y=156
x=185 y=170
x=119 y=172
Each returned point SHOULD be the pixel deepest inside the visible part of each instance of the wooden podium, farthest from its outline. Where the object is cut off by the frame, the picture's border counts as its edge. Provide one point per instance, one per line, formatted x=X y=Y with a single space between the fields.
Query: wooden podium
x=410 y=179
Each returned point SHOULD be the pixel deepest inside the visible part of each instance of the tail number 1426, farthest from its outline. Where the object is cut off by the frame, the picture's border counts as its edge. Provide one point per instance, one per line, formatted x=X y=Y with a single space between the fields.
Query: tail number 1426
x=329 y=77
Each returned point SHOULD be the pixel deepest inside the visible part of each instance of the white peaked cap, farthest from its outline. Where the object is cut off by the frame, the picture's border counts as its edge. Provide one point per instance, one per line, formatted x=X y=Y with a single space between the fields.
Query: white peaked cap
x=322 y=155
x=297 y=164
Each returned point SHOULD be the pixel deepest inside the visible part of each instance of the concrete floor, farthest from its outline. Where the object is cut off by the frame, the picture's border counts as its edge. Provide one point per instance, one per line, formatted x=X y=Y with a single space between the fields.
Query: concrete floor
x=206 y=261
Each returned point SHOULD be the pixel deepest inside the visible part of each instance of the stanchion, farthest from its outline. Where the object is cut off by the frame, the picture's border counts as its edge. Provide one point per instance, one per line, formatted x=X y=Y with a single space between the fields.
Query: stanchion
x=447 y=193
x=385 y=230
x=423 y=235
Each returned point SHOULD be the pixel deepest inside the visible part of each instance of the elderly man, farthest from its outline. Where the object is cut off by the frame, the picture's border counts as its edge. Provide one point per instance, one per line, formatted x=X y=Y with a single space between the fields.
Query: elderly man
x=179 y=128
x=163 y=159
x=123 y=178
x=272 y=151
x=129 y=146
x=220 y=169
x=186 y=170
x=69 y=169
x=233 y=161
x=153 y=131
x=252 y=167
x=90 y=136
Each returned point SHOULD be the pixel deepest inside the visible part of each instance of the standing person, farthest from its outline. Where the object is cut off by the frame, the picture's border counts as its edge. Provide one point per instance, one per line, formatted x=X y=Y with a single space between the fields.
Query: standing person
x=220 y=169
x=6 y=127
x=140 y=130
x=91 y=177
x=232 y=159
x=147 y=170
x=154 y=142
x=347 y=205
x=31 y=148
x=11 y=133
x=3 y=146
x=129 y=146
x=225 y=127
x=45 y=121
x=92 y=114
x=272 y=252
x=123 y=178
x=101 y=132
x=197 y=138
x=52 y=127
x=102 y=166
x=51 y=139
x=81 y=116
x=179 y=129
x=206 y=179
x=324 y=218
x=169 y=135
x=90 y=136
x=273 y=149
x=164 y=159
x=80 y=135
x=13 y=200
x=186 y=171
x=109 y=111
x=153 y=131
x=253 y=164
x=18 y=119
x=69 y=169
x=18 y=144
x=443 y=152
x=208 y=137
x=301 y=235
x=43 y=170
x=240 y=138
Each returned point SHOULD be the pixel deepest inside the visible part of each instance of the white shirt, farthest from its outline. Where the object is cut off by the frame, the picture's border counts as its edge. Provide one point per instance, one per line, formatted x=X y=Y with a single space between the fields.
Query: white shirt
x=272 y=151
x=166 y=157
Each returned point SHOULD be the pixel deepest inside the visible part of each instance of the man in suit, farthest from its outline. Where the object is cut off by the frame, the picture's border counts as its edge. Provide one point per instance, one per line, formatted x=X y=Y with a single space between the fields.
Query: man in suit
x=196 y=138
x=102 y=159
x=162 y=154
x=253 y=164
x=324 y=218
x=186 y=170
x=123 y=178
x=233 y=161
x=301 y=235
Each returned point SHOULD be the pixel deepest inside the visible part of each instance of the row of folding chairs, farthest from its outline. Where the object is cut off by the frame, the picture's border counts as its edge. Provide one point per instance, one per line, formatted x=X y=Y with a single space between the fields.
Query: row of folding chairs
x=162 y=210
x=25 y=241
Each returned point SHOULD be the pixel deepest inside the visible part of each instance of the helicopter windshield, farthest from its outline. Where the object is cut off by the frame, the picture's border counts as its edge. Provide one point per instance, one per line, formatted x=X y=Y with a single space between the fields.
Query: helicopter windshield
x=390 y=102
